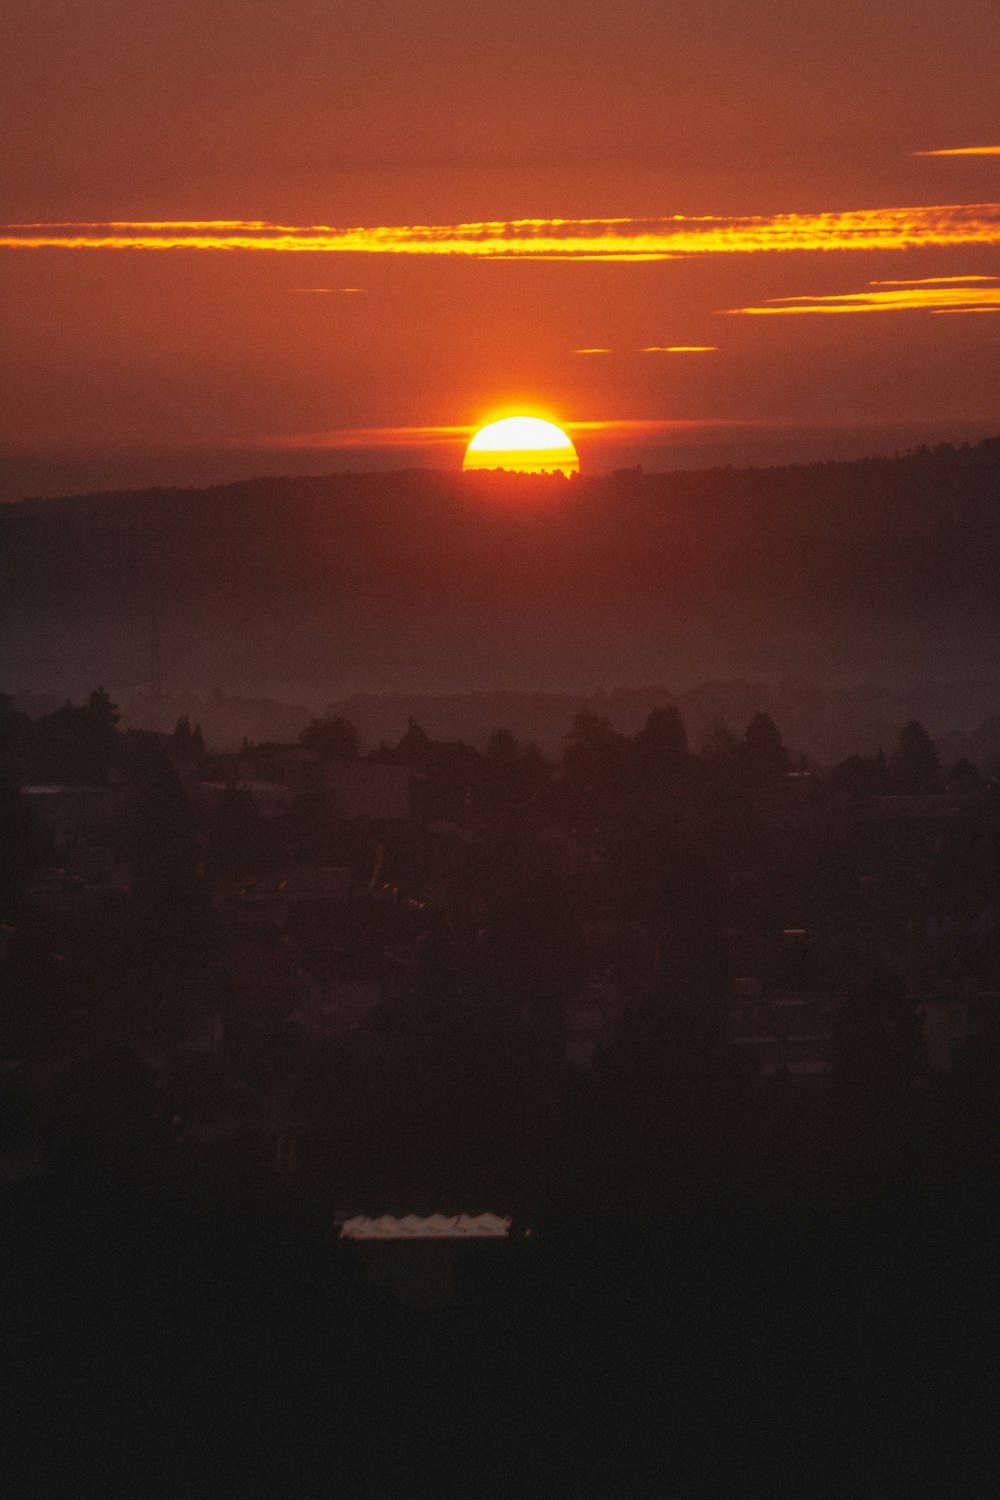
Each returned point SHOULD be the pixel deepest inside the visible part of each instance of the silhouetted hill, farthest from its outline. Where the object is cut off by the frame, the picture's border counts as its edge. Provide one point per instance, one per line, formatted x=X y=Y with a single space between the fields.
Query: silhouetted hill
x=311 y=589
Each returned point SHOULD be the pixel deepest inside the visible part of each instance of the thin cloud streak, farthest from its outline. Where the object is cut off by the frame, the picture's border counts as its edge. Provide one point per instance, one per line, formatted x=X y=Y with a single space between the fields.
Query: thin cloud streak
x=375 y=437
x=963 y=151
x=936 y=281
x=448 y=436
x=901 y=299
x=543 y=239
x=680 y=349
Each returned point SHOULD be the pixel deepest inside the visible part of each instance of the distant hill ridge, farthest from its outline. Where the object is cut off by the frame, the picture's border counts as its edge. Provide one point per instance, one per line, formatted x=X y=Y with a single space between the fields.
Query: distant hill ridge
x=310 y=589
x=986 y=451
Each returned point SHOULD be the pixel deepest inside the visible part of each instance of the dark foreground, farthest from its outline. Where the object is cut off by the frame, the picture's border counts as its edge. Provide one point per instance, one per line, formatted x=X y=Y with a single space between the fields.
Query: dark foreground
x=157 y=1348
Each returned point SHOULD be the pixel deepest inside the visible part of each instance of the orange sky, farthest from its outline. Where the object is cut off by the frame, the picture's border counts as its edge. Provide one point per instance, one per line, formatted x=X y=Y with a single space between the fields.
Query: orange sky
x=625 y=205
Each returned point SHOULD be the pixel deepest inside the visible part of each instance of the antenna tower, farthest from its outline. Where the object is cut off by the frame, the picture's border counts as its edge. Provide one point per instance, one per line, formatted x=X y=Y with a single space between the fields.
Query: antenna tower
x=155 y=663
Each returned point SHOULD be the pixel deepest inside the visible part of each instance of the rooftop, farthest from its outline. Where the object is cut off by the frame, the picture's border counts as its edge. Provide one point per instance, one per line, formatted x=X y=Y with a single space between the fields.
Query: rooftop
x=430 y=1227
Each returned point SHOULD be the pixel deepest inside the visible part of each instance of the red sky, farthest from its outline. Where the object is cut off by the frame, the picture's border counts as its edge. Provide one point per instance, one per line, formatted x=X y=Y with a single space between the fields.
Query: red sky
x=306 y=113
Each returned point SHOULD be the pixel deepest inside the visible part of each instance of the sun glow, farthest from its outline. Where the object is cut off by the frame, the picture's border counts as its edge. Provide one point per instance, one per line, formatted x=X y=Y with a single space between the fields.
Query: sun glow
x=525 y=445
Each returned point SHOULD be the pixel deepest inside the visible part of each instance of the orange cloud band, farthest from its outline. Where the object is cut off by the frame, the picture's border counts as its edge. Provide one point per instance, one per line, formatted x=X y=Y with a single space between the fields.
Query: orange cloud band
x=963 y=151
x=547 y=239
x=915 y=298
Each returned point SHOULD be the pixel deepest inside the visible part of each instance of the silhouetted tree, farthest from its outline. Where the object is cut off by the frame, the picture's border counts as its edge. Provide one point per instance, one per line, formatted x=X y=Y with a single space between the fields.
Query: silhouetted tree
x=660 y=747
x=763 y=749
x=510 y=772
x=414 y=746
x=535 y=768
x=331 y=739
x=594 y=764
x=861 y=775
x=500 y=782
x=104 y=715
x=915 y=766
x=720 y=749
x=451 y=771
x=188 y=743
x=77 y=744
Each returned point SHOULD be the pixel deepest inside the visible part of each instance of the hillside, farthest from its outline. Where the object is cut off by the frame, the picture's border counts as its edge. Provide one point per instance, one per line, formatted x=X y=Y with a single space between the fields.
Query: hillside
x=311 y=589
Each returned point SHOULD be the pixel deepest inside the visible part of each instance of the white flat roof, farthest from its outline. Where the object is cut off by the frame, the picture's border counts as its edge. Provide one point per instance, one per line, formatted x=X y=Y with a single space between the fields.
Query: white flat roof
x=429 y=1227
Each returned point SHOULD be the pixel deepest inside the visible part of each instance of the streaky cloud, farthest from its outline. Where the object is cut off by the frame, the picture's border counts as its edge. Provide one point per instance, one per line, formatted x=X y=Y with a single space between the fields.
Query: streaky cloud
x=454 y=434
x=935 y=281
x=963 y=151
x=613 y=239
x=902 y=298
x=375 y=437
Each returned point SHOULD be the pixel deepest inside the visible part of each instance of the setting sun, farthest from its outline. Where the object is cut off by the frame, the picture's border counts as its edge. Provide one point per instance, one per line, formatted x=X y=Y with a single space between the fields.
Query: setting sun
x=525 y=445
